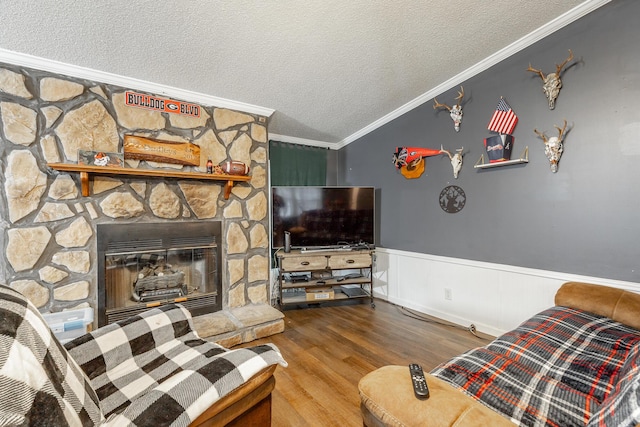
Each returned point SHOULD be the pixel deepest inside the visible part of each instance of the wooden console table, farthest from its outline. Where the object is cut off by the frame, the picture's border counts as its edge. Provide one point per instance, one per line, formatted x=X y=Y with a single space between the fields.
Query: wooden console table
x=315 y=288
x=87 y=170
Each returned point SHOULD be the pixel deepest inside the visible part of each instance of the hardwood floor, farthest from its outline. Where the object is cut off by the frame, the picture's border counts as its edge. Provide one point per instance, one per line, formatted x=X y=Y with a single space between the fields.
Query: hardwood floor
x=330 y=348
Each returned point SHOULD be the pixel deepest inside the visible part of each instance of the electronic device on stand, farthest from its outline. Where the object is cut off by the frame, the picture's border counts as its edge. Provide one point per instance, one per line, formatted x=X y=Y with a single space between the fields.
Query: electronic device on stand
x=287 y=242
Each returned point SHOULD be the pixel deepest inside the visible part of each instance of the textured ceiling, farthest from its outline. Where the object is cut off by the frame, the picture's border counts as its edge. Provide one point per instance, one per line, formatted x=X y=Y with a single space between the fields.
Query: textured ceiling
x=329 y=68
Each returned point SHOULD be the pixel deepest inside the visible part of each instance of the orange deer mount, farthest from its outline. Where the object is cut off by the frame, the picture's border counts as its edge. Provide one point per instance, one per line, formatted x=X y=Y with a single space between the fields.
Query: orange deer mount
x=410 y=160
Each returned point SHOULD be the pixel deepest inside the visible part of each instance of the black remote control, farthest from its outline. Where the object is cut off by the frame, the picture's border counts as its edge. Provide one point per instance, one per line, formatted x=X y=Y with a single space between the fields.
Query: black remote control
x=420 y=388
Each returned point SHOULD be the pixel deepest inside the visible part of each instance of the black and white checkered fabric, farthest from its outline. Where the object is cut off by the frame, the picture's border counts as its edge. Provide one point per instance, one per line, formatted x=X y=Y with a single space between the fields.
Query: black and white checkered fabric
x=149 y=370
x=153 y=369
x=40 y=385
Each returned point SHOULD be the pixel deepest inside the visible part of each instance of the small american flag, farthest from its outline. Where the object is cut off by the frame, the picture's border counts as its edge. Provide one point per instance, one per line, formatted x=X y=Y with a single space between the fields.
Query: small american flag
x=504 y=120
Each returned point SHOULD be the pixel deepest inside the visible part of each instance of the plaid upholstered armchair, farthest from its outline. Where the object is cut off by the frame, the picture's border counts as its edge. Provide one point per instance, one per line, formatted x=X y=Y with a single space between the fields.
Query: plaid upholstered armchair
x=151 y=369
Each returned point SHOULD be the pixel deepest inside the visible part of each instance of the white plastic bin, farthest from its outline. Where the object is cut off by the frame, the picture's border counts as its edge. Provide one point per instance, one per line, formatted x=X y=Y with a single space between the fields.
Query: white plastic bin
x=67 y=325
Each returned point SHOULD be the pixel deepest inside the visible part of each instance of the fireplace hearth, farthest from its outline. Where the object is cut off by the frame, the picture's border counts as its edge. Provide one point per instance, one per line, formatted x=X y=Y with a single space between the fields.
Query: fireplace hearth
x=144 y=265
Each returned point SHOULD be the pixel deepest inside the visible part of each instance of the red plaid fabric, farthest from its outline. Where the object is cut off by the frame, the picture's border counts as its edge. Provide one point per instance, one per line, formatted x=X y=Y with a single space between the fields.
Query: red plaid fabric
x=622 y=406
x=556 y=369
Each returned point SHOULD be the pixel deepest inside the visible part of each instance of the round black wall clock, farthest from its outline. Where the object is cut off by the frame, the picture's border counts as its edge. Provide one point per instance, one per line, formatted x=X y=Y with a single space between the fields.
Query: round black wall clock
x=452 y=199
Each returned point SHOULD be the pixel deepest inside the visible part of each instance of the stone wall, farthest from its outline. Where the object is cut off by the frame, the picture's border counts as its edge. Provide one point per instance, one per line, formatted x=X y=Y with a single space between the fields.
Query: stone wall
x=48 y=228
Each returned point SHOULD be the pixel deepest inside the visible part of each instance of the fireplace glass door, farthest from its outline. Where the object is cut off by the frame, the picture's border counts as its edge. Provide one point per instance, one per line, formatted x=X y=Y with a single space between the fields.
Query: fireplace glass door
x=170 y=274
x=151 y=270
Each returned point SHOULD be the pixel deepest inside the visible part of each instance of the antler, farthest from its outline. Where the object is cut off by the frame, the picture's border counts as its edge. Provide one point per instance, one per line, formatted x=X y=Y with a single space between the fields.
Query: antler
x=443 y=151
x=561 y=66
x=460 y=96
x=561 y=131
x=541 y=135
x=533 y=70
x=438 y=105
x=458 y=152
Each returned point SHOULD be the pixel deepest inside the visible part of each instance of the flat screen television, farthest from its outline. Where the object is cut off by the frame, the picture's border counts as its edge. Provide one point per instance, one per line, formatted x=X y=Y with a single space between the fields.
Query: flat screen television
x=322 y=216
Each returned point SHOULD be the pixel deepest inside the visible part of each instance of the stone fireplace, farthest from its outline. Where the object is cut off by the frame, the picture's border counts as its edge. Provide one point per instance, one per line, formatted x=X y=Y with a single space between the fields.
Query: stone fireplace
x=49 y=230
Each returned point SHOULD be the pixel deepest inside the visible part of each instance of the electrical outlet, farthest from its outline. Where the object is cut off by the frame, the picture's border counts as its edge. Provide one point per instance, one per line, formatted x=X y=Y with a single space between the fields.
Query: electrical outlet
x=472 y=328
x=447 y=294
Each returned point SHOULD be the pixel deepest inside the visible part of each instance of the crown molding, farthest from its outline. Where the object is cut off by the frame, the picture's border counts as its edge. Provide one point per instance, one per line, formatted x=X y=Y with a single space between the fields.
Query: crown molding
x=25 y=60
x=302 y=141
x=515 y=47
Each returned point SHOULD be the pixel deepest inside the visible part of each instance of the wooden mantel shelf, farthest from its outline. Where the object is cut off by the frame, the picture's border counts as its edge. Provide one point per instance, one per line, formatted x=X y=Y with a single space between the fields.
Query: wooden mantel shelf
x=87 y=170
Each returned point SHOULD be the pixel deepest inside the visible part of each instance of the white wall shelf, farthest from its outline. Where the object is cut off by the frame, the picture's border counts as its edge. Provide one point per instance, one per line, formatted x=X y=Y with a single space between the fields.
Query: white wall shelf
x=524 y=158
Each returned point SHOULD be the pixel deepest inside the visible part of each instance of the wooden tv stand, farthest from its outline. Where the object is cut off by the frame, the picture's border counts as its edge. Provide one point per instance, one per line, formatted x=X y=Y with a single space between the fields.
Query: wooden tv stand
x=318 y=277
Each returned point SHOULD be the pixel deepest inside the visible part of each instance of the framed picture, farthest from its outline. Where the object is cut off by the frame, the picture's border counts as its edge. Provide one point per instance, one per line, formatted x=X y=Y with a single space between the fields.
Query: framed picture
x=100 y=158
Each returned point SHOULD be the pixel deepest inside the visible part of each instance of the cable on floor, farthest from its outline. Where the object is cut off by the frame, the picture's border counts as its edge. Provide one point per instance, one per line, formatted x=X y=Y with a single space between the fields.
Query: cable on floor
x=418 y=316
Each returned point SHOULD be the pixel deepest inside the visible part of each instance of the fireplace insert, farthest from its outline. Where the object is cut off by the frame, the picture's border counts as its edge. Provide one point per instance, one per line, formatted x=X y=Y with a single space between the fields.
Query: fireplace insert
x=143 y=265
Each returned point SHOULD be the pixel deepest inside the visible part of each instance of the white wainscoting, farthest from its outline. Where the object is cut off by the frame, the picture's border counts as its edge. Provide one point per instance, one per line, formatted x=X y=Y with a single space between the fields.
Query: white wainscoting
x=495 y=298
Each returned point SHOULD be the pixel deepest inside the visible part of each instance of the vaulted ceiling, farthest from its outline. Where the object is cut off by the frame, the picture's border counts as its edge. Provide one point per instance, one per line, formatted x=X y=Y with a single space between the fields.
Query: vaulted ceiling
x=330 y=69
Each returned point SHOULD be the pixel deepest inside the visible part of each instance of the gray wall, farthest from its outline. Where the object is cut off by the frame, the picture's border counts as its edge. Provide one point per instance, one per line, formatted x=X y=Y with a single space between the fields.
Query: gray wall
x=582 y=219
x=332 y=167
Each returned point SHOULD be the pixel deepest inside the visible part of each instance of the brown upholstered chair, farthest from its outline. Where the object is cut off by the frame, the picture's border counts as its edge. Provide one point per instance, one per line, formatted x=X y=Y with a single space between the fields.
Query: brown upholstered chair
x=151 y=369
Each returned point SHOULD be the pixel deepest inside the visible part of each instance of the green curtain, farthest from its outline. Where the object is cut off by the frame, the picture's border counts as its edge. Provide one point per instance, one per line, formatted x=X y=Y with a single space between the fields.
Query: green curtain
x=293 y=164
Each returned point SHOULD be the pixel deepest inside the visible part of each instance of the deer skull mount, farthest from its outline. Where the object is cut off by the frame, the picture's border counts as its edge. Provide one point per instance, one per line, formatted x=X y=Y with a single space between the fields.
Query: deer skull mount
x=456 y=160
x=456 y=111
x=554 y=146
x=551 y=82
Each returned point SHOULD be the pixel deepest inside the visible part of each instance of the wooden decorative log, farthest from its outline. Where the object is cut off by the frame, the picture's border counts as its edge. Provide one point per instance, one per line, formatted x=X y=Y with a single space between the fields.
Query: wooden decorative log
x=180 y=153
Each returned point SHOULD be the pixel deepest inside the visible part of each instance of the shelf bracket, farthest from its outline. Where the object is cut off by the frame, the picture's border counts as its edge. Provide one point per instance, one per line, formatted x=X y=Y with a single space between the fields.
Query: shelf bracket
x=84 y=183
x=227 y=189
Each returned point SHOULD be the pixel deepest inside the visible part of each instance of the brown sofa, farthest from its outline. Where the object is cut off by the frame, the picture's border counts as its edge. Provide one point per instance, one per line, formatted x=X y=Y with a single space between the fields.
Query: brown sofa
x=485 y=387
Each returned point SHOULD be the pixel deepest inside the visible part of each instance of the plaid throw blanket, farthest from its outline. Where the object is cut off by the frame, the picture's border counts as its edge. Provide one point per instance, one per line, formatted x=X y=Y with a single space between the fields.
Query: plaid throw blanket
x=153 y=369
x=563 y=367
x=40 y=385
